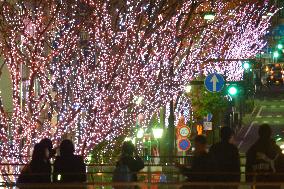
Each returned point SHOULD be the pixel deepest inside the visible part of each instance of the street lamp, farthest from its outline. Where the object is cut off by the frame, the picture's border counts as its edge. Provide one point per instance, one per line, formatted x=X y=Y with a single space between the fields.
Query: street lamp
x=158 y=133
x=187 y=88
x=140 y=133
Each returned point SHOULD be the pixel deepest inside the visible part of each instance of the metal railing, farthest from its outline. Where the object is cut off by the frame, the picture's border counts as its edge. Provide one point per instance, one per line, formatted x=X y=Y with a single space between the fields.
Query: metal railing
x=173 y=185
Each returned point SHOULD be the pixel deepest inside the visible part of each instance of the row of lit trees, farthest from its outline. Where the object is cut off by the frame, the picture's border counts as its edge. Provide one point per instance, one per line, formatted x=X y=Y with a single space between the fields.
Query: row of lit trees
x=93 y=66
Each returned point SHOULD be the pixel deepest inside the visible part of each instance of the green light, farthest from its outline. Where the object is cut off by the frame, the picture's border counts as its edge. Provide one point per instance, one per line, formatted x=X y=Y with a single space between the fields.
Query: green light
x=280 y=46
x=232 y=90
x=246 y=65
x=276 y=54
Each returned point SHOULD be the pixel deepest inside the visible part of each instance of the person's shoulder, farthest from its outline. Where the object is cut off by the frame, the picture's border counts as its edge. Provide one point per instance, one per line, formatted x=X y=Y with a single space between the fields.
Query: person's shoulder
x=215 y=147
x=58 y=159
x=126 y=159
x=233 y=146
x=79 y=158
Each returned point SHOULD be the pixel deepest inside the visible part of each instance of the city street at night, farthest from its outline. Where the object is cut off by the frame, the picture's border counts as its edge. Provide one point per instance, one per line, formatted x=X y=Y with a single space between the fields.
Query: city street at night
x=144 y=94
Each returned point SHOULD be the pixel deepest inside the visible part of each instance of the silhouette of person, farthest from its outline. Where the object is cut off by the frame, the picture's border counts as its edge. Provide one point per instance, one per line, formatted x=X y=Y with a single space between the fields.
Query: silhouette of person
x=39 y=169
x=225 y=159
x=48 y=144
x=129 y=158
x=200 y=164
x=69 y=168
x=261 y=159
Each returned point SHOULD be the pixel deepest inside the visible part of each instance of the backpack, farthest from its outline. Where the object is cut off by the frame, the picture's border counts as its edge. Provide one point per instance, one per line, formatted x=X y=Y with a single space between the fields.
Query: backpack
x=121 y=173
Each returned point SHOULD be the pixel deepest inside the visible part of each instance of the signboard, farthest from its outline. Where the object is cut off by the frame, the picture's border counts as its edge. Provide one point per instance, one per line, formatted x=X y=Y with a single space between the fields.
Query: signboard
x=207 y=126
x=199 y=129
x=214 y=82
x=208 y=117
x=184 y=144
x=184 y=131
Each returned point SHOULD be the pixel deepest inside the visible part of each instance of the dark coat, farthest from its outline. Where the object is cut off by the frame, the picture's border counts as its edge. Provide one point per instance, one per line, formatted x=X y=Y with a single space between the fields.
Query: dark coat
x=37 y=171
x=71 y=168
x=256 y=163
x=133 y=164
x=225 y=162
x=199 y=171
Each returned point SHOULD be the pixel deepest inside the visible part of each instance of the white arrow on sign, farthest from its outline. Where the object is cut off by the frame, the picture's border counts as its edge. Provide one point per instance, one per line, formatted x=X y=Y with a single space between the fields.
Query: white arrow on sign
x=214 y=80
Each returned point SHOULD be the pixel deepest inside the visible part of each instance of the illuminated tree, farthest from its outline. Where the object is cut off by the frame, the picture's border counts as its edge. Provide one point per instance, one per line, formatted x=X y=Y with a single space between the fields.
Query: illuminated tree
x=86 y=69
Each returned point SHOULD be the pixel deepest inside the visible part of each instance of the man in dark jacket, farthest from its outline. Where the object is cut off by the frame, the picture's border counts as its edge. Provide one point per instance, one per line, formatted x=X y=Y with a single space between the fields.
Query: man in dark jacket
x=200 y=164
x=261 y=163
x=225 y=160
x=68 y=167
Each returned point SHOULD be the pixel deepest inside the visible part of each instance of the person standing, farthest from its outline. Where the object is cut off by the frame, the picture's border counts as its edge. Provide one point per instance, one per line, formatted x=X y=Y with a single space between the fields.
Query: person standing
x=200 y=164
x=128 y=165
x=225 y=159
x=69 y=168
x=38 y=170
x=262 y=156
x=48 y=144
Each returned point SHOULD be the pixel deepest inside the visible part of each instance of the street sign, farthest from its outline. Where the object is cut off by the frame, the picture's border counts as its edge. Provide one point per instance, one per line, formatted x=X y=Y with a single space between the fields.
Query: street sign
x=207 y=126
x=184 y=131
x=208 y=117
x=184 y=144
x=214 y=82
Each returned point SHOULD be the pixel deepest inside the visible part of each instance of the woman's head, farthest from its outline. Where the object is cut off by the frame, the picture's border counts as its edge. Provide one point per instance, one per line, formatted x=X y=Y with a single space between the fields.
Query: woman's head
x=127 y=148
x=264 y=131
x=40 y=152
x=66 y=147
x=226 y=134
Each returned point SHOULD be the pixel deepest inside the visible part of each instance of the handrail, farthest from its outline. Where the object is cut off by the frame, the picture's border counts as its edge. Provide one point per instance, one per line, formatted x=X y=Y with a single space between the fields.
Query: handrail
x=141 y=184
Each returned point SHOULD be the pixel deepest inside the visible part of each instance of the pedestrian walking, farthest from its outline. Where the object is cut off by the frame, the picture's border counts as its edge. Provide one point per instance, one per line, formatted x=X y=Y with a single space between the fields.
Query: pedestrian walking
x=262 y=157
x=225 y=160
x=69 y=168
x=127 y=166
x=38 y=170
x=200 y=165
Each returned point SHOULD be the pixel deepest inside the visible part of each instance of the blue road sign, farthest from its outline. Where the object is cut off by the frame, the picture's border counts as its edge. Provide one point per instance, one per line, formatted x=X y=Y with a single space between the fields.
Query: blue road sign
x=214 y=82
x=208 y=117
x=184 y=144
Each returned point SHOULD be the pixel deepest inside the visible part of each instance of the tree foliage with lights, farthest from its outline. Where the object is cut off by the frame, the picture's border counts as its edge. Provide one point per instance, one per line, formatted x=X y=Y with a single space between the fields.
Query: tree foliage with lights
x=87 y=69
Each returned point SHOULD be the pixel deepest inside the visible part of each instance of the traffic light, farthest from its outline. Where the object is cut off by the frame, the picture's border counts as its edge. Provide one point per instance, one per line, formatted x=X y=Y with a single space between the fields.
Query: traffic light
x=246 y=65
x=276 y=54
x=233 y=90
x=280 y=46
